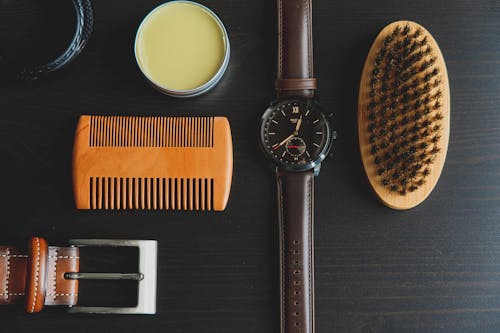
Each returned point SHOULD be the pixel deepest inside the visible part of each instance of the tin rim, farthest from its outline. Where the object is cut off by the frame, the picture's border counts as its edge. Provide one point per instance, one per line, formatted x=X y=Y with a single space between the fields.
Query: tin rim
x=215 y=78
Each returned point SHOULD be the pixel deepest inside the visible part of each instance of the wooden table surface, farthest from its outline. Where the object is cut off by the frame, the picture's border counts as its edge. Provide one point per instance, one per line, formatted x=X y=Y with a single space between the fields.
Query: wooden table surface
x=435 y=268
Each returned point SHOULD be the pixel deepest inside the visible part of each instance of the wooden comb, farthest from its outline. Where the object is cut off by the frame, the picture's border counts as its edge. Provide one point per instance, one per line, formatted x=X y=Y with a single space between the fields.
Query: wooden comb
x=168 y=163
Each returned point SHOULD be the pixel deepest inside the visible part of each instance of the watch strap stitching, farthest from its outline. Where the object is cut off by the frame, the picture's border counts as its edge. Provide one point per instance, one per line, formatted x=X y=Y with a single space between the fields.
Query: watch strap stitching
x=37 y=273
x=311 y=251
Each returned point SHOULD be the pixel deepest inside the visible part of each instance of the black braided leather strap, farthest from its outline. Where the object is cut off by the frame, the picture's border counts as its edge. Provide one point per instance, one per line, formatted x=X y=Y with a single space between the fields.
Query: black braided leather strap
x=84 y=24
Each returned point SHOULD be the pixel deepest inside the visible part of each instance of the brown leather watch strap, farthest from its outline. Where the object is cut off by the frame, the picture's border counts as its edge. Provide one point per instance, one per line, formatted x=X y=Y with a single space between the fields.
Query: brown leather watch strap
x=295 y=49
x=36 y=277
x=295 y=202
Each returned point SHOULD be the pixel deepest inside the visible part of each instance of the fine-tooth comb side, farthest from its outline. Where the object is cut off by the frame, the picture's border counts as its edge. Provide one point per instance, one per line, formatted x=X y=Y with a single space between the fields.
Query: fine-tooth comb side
x=166 y=163
x=404 y=114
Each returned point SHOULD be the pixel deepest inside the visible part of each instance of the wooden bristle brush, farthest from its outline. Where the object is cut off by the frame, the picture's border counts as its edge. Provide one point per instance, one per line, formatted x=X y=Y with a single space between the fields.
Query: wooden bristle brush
x=404 y=114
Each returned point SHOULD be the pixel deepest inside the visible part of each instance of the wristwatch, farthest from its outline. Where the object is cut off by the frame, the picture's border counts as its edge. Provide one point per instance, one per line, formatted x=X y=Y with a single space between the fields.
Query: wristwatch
x=296 y=136
x=46 y=275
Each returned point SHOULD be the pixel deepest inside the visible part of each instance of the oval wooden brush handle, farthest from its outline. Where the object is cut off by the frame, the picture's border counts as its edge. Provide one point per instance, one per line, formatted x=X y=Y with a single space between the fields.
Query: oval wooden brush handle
x=416 y=195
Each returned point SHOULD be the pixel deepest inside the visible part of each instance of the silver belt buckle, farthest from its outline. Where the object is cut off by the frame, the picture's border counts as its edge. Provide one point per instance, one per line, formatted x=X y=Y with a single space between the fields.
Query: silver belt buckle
x=146 y=277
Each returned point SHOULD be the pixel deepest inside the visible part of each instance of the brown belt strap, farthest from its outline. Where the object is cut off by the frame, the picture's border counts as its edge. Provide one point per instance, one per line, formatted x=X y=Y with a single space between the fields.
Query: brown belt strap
x=36 y=277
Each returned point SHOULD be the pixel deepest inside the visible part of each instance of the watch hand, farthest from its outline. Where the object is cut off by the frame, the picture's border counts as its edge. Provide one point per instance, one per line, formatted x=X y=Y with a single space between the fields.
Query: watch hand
x=297 y=128
x=283 y=142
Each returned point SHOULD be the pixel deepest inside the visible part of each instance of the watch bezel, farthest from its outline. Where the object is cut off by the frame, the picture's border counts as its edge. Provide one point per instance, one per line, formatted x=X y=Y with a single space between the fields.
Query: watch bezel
x=312 y=103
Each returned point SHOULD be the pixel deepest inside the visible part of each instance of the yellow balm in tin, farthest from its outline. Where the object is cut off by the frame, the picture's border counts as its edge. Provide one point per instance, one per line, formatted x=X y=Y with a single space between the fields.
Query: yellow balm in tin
x=182 y=48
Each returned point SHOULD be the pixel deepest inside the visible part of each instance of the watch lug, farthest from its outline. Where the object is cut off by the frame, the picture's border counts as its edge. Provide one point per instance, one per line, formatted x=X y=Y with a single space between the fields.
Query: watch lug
x=317 y=169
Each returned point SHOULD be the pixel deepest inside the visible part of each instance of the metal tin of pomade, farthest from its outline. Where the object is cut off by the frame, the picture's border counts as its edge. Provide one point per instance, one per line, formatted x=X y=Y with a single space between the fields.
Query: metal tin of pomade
x=182 y=48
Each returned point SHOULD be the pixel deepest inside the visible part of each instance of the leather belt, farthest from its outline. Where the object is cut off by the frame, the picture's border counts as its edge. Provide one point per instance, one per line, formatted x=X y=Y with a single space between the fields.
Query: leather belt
x=295 y=50
x=295 y=200
x=49 y=275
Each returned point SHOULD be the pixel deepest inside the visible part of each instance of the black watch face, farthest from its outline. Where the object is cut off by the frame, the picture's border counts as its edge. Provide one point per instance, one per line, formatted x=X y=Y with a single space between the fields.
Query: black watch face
x=295 y=135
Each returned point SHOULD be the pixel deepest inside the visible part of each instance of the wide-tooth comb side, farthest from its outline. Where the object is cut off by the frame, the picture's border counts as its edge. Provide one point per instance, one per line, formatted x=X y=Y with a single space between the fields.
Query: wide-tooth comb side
x=404 y=114
x=159 y=163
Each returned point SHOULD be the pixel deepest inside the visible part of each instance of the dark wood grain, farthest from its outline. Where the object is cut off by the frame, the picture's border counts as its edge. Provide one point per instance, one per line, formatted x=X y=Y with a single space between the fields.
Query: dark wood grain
x=435 y=268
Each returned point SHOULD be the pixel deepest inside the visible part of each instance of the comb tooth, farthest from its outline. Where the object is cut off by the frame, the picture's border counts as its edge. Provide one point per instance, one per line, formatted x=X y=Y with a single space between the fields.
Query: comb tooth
x=106 y=193
x=161 y=130
x=176 y=132
x=209 y=194
x=111 y=191
x=196 y=193
x=91 y=131
x=128 y=122
x=138 y=131
x=207 y=135
x=160 y=193
x=166 y=192
x=168 y=131
x=97 y=131
x=124 y=193
x=132 y=131
x=162 y=127
x=196 y=130
x=202 y=132
x=129 y=194
x=191 y=192
x=119 y=130
x=148 y=192
x=135 y=192
x=142 y=190
x=156 y=132
x=122 y=132
x=99 y=193
x=150 y=132
x=211 y=133
x=118 y=194
x=100 y=133
x=104 y=130
x=184 y=193
x=156 y=185
x=183 y=132
x=96 y=192
x=188 y=132
x=107 y=131
x=137 y=124
x=173 y=186
x=92 y=193
x=179 y=193
x=114 y=132
x=109 y=135
x=202 y=193
x=178 y=129
x=142 y=131
x=147 y=132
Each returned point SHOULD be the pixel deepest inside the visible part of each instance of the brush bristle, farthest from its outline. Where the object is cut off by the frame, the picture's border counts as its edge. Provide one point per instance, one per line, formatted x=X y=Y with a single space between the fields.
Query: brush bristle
x=404 y=111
